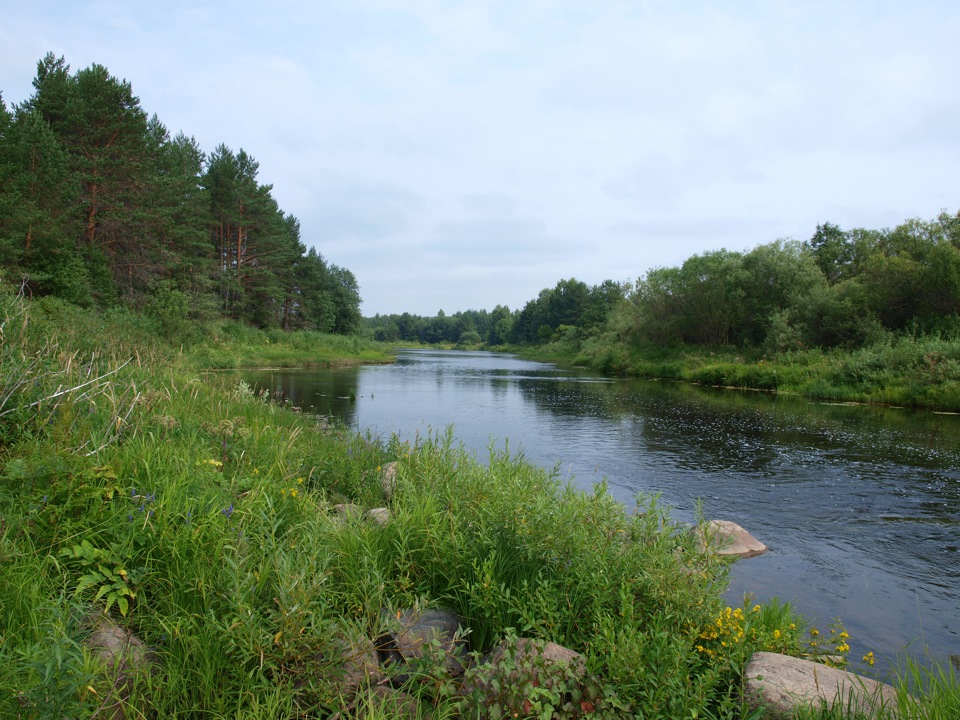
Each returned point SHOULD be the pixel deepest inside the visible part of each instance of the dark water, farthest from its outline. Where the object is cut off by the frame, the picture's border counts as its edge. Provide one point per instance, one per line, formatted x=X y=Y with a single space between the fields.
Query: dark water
x=859 y=505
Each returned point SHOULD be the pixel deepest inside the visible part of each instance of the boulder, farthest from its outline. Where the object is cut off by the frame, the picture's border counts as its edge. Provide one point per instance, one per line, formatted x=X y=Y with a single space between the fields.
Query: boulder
x=348 y=511
x=407 y=635
x=729 y=539
x=360 y=665
x=124 y=656
x=780 y=684
x=381 y=516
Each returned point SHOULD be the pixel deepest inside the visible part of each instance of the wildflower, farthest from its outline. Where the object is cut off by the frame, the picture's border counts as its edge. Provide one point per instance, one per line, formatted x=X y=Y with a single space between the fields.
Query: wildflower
x=227 y=511
x=869 y=659
x=293 y=492
x=300 y=481
x=776 y=634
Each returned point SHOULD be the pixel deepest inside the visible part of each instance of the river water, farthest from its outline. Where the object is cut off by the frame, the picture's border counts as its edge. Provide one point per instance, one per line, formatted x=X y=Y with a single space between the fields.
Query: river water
x=859 y=505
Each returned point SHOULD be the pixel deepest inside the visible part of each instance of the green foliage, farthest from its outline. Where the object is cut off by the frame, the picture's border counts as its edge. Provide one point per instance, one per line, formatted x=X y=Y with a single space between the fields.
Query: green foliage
x=104 y=572
x=522 y=682
x=56 y=679
x=216 y=513
x=99 y=206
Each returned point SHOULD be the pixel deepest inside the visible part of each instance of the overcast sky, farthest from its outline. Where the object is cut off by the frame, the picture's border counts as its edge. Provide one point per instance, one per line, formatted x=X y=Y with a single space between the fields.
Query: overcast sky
x=461 y=155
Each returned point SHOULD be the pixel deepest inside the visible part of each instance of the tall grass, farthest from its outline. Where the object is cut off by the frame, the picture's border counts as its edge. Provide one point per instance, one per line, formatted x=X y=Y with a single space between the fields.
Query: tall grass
x=211 y=515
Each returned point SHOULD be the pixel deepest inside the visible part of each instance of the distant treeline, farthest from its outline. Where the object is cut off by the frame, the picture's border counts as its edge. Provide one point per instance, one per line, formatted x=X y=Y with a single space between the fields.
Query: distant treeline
x=841 y=288
x=571 y=304
x=100 y=206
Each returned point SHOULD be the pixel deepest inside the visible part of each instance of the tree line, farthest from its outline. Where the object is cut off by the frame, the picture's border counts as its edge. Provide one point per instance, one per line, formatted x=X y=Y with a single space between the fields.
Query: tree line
x=102 y=207
x=838 y=289
x=570 y=307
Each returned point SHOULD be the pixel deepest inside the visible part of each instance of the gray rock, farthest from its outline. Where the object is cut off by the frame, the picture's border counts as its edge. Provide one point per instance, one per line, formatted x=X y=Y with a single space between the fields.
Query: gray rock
x=780 y=683
x=408 y=634
x=348 y=511
x=729 y=539
x=124 y=656
x=360 y=665
x=381 y=516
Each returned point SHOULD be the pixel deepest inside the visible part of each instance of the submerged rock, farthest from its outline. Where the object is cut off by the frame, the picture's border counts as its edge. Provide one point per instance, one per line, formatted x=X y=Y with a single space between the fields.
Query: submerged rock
x=729 y=539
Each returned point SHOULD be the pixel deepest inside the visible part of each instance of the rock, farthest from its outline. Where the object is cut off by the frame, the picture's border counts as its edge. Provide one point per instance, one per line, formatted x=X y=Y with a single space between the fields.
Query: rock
x=360 y=665
x=124 y=656
x=348 y=511
x=780 y=683
x=381 y=516
x=407 y=635
x=388 y=479
x=729 y=539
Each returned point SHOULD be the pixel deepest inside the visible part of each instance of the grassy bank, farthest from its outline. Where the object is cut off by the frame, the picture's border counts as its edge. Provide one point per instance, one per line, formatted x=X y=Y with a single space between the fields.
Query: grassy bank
x=230 y=345
x=921 y=372
x=202 y=518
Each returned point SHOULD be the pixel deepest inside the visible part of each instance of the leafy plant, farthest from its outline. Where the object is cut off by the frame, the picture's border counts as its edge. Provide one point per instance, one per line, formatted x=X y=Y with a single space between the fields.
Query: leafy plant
x=105 y=572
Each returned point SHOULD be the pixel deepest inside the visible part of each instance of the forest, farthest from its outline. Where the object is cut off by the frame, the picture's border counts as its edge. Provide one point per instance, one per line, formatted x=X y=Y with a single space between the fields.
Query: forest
x=838 y=289
x=100 y=206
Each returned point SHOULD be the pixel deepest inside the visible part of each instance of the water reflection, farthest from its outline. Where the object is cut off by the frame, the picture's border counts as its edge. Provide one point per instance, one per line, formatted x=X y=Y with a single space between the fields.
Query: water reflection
x=860 y=505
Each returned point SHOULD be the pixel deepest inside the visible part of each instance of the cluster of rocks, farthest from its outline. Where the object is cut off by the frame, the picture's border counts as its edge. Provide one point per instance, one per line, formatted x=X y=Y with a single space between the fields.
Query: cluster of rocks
x=426 y=645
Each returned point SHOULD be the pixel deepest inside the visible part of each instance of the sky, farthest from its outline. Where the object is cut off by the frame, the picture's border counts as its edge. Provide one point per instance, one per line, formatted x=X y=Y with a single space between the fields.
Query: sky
x=461 y=155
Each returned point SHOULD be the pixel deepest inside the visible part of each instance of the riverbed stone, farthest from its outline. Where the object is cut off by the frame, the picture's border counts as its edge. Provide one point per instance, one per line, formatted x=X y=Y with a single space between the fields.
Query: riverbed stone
x=780 y=684
x=728 y=539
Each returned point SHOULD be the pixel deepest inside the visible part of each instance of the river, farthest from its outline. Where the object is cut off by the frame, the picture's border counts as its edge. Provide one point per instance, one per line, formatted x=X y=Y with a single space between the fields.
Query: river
x=860 y=505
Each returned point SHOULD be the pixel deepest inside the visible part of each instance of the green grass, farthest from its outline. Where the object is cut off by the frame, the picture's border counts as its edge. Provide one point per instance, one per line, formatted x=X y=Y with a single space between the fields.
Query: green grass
x=210 y=512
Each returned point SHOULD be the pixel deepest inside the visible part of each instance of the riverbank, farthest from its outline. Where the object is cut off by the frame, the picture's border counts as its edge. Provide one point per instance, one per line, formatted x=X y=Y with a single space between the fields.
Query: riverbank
x=204 y=519
x=900 y=370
